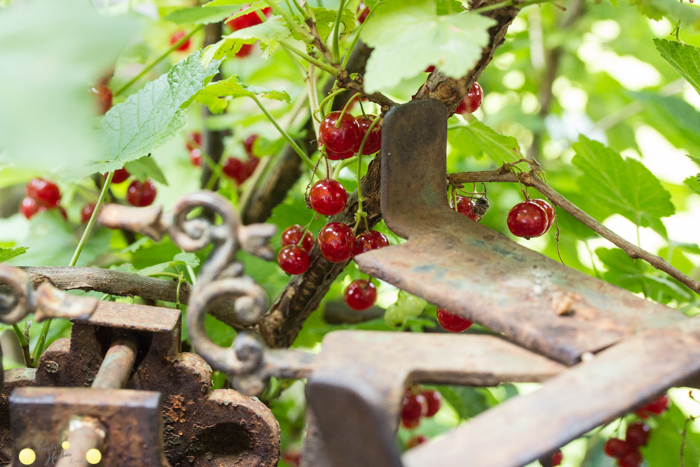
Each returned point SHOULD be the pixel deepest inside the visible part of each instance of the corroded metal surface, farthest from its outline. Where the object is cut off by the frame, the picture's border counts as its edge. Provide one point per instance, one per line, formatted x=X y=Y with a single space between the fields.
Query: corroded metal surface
x=480 y=274
x=117 y=364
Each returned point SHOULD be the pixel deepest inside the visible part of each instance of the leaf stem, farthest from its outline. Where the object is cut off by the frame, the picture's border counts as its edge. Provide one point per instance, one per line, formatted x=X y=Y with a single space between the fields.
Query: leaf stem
x=305 y=35
x=284 y=134
x=24 y=343
x=336 y=33
x=39 y=347
x=303 y=11
x=148 y=67
x=310 y=59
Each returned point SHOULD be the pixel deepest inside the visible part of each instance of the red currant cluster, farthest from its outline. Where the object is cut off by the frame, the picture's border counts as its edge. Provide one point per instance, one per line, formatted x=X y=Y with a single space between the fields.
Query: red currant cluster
x=627 y=451
x=41 y=196
x=246 y=21
x=418 y=403
x=341 y=135
x=139 y=194
x=238 y=169
x=177 y=37
x=530 y=219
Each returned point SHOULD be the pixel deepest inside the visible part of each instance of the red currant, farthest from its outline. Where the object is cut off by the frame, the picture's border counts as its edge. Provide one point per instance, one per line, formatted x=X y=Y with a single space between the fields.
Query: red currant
x=414 y=406
x=615 y=447
x=244 y=51
x=362 y=12
x=44 y=192
x=557 y=457
x=336 y=242
x=103 y=97
x=240 y=170
x=374 y=140
x=547 y=208
x=328 y=197
x=141 y=194
x=176 y=37
x=120 y=176
x=340 y=135
x=86 y=212
x=29 y=207
x=244 y=21
x=415 y=441
x=434 y=401
x=430 y=69
x=292 y=458
x=339 y=156
x=196 y=157
x=465 y=206
x=632 y=458
x=193 y=141
x=656 y=407
x=452 y=322
x=527 y=220
x=471 y=101
x=293 y=259
x=248 y=144
x=360 y=294
x=637 y=435
x=292 y=235
x=371 y=240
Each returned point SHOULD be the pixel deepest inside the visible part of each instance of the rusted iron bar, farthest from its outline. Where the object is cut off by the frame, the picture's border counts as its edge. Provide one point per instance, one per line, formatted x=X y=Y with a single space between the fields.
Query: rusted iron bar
x=84 y=435
x=117 y=364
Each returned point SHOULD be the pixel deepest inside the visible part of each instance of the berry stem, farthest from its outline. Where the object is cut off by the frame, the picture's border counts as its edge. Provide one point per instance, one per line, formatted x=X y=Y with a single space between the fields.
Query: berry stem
x=327 y=68
x=336 y=32
x=305 y=35
x=284 y=134
x=360 y=212
x=345 y=109
x=303 y=12
x=328 y=101
x=148 y=67
x=39 y=347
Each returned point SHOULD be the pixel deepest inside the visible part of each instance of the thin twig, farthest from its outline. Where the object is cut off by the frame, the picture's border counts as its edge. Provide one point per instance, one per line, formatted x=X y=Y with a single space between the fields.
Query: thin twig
x=24 y=343
x=530 y=179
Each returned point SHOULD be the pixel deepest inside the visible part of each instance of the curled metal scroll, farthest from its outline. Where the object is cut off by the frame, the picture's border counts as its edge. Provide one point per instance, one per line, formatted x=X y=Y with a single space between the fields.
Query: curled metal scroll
x=221 y=276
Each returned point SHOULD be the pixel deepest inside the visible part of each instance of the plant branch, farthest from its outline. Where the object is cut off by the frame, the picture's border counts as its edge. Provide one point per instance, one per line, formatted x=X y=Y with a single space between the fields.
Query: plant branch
x=530 y=179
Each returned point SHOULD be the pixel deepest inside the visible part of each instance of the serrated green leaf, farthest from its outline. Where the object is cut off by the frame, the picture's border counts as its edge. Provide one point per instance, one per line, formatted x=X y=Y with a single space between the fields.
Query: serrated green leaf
x=144 y=168
x=696 y=160
x=204 y=14
x=7 y=254
x=665 y=441
x=622 y=186
x=270 y=32
x=693 y=183
x=217 y=95
x=325 y=19
x=672 y=9
x=50 y=52
x=478 y=140
x=152 y=116
x=409 y=35
x=685 y=58
x=674 y=118
x=180 y=259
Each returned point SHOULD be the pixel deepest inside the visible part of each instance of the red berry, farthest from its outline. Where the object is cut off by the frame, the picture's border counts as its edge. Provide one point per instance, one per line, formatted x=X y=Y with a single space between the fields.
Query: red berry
x=452 y=322
x=434 y=399
x=240 y=170
x=141 y=194
x=464 y=206
x=362 y=12
x=292 y=235
x=631 y=458
x=368 y=241
x=430 y=69
x=557 y=457
x=293 y=259
x=527 y=220
x=471 y=101
x=615 y=447
x=360 y=294
x=343 y=138
x=637 y=435
x=248 y=144
x=176 y=37
x=244 y=51
x=245 y=21
x=193 y=141
x=415 y=441
x=547 y=208
x=374 y=140
x=44 y=192
x=30 y=206
x=63 y=212
x=86 y=212
x=656 y=407
x=120 y=176
x=196 y=157
x=328 y=197
x=292 y=458
x=414 y=406
x=103 y=97
x=339 y=156
x=336 y=242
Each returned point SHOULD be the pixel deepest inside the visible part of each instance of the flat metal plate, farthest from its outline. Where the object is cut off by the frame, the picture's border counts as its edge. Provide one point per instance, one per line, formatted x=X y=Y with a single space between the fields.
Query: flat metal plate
x=478 y=273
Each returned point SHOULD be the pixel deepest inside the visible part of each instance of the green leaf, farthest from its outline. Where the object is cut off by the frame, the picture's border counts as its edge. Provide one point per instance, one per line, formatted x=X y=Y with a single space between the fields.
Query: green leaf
x=217 y=95
x=693 y=183
x=144 y=168
x=478 y=140
x=203 y=15
x=152 y=116
x=409 y=35
x=181 y=259
x=685 y=58
x=7 y=254
x=622 y=186
x=325 y=20
x=674 y=118
x=665 y=441
x=672 y=9
x=696 y=160
x=270 y=32
x=50 y=52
